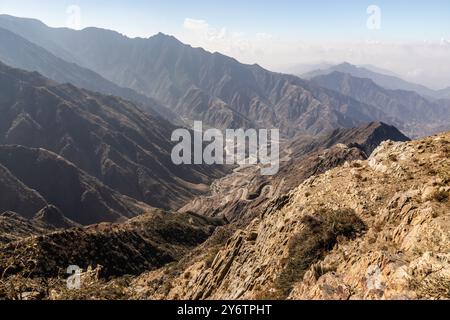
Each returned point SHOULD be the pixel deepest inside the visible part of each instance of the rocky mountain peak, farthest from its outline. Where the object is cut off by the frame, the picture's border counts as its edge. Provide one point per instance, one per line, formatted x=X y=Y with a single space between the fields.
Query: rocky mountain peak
x=52 y=216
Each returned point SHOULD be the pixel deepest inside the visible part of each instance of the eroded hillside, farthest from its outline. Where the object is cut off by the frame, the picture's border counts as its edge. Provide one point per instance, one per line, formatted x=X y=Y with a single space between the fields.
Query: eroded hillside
x=375 y=229
x=369 y=229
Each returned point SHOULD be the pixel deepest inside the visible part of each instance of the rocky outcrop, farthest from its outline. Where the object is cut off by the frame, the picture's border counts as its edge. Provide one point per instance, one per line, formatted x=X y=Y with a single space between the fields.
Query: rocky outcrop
x=240 y=196
x=375 y=229
x=366 y=137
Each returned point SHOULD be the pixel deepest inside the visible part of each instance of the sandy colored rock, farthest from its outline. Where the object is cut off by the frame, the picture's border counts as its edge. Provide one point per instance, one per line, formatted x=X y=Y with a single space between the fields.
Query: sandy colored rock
x=403 y=253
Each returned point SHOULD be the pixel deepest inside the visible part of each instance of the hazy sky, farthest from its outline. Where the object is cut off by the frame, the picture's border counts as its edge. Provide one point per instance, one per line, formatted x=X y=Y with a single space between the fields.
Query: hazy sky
x=411 y=37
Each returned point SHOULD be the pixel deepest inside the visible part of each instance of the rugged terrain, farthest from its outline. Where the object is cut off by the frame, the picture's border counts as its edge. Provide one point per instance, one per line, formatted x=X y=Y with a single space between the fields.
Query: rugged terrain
x=240 y=196
x=38 y=177
x=356 y=211
x=18 y=52
x=30 y=266
x=372 y=228
x=106 y=137
x=14 y=227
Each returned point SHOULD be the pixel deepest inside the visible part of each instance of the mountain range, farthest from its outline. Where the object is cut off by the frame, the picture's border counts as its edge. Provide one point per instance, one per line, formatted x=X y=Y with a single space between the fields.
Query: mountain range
x=198 y=85
x=185 y=84
x=87 y=178
x=374 y=229
x=419 y=115
x=34 y=178
x=23 y=54
x=303 y=157
x=95 y=137
x=316 y=241
x=380 y=77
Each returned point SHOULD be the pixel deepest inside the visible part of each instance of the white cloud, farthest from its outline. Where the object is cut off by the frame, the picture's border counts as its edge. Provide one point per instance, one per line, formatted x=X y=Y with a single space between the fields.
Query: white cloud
x=202 y=29
x=424 y=62
x=195 y=25
x=264 y=36
x=237 y=44
x=445 y=42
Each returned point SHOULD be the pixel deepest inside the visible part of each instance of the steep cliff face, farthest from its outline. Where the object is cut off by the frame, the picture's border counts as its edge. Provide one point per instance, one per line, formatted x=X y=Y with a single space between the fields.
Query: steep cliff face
x=374 y=229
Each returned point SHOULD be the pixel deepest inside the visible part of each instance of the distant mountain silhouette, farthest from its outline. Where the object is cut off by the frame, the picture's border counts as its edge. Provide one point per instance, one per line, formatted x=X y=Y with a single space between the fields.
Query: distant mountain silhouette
x=444 y=93
x=419 y=115
x=387 y=81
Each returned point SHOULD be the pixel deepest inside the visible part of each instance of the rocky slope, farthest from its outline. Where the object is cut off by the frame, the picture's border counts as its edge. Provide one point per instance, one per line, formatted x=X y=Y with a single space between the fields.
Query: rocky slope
x=23 y=54
x=369 y=229
x=107 y=137
x=146 y=242
x=52 y=179
x=31 y=266
x=16 y=196
x=246 y=191
x=14 y=227
x=373 y=229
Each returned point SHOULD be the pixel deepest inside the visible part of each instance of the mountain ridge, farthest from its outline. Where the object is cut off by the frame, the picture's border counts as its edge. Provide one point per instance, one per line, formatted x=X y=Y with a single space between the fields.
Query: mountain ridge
x=386 y=81
x=241 y=195
x=421 y=116
x=80 y=197
x=371 y=215
x=107 y=137
x=217 y=89
x=23 y=54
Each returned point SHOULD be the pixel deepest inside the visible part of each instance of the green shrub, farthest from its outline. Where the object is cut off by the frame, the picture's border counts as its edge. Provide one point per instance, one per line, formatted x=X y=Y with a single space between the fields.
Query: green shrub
x=440 y=196
x=319 y=236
